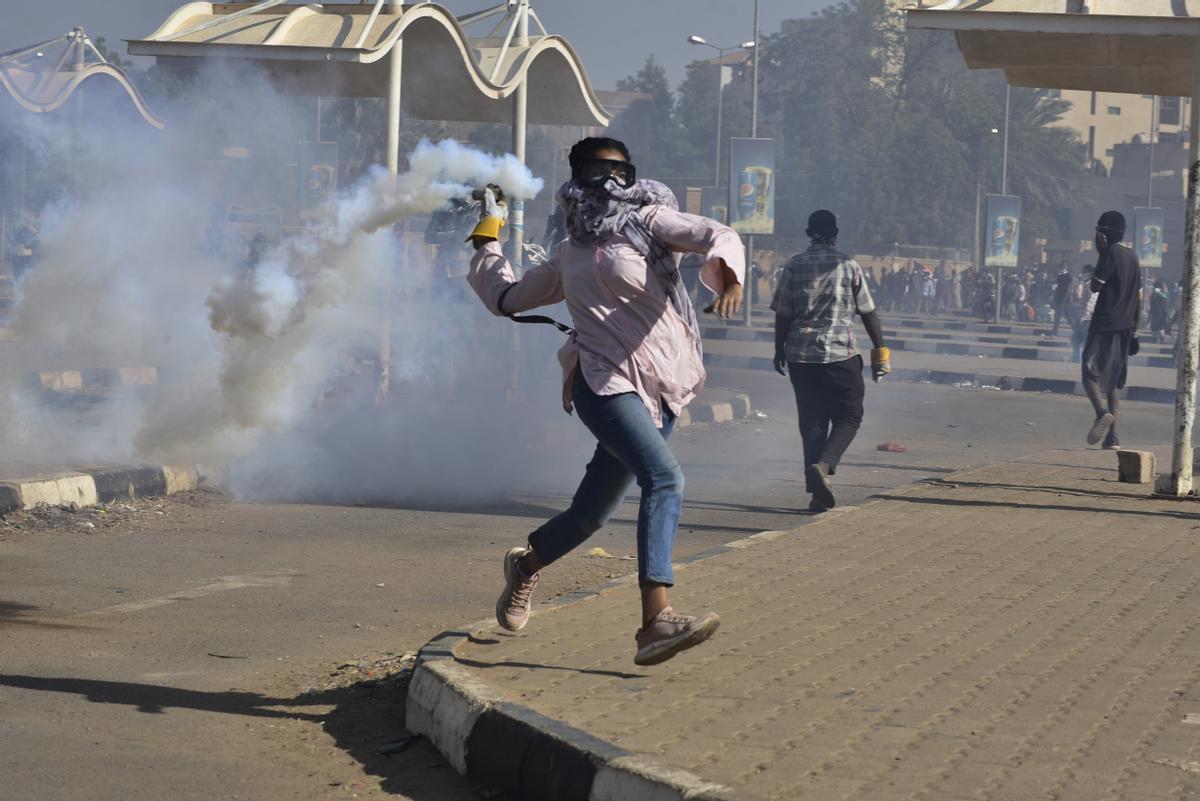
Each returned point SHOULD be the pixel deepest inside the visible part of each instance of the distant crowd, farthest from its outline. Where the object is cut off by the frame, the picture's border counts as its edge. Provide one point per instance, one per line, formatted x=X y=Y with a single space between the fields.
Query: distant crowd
x=1026 y=295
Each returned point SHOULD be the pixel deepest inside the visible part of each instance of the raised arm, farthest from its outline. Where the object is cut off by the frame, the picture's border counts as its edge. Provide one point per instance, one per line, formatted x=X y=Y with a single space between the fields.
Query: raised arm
x=724 y=269
x=496 y=283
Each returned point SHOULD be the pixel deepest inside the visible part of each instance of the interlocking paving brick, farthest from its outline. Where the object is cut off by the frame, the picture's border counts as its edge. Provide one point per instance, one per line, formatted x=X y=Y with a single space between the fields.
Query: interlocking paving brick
x=1023 y=631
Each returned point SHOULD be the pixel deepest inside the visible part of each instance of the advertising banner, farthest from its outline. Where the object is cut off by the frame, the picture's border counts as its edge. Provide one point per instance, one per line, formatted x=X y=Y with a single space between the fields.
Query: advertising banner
x=714 y=204
x=1002 y=240
x=318 y=174
x=752 y=185
x=1148 y=236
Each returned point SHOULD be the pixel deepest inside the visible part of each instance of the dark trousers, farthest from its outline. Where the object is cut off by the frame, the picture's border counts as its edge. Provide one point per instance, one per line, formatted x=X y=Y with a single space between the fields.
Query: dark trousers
x=829 y=403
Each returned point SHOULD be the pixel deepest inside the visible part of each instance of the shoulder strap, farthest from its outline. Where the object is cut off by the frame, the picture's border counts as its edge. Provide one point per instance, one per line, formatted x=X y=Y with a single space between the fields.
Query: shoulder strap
x=531 y=318
x=543 y=319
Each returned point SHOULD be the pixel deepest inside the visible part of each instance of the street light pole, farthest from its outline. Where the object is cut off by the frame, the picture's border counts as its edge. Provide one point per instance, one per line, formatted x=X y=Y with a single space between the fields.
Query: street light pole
x=749 y=289
x=1004 y=158
x=721 y=51
x=720 y=98
x=1153 y=133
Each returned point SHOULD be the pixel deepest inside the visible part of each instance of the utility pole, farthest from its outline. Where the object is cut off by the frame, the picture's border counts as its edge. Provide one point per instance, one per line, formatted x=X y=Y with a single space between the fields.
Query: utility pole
x=1004 y=158
x=750 y=279
x=1179 y=482
x=1153 y=136
x=516 y=217
x=1003 y=185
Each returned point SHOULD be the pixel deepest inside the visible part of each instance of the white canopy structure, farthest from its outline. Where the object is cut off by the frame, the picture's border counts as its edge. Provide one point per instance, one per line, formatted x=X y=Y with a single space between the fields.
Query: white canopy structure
x=1133 y=46
x=41 y=78
x=416 y=54
x=341 y=50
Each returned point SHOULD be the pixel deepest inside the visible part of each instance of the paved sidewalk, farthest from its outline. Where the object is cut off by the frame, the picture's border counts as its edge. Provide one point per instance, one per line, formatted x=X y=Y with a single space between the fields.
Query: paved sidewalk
x=1021 y=631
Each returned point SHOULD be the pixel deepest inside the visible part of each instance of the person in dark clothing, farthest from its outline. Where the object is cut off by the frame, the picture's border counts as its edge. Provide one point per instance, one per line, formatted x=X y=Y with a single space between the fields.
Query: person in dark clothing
x=1111 y=335
x=1062 y=290
x=819 y=292
x=1160 y=311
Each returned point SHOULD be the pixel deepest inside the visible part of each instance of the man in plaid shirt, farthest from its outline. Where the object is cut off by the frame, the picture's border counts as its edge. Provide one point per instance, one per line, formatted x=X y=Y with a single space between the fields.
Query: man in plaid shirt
x=819 y=292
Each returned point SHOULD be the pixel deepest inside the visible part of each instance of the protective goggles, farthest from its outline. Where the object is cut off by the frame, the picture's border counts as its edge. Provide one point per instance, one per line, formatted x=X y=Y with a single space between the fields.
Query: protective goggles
x=595 y=173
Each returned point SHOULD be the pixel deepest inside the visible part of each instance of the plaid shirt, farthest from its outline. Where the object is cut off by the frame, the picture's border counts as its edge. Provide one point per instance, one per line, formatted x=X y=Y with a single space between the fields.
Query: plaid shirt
x=820 y=290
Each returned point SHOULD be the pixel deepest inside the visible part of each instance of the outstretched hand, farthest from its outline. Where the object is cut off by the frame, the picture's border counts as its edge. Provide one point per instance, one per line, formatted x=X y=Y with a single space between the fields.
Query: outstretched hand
x=493 y=214
x=729 y=302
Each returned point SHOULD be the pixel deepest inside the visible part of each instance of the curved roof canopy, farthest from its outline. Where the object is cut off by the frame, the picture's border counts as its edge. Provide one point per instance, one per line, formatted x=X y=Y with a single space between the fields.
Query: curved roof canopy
x=340 y=50
x=43 y=77
x=1134 y=46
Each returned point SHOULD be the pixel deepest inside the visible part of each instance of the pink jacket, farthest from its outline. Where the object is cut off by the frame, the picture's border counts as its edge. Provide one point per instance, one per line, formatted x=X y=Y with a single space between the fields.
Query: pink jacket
x=627 y=336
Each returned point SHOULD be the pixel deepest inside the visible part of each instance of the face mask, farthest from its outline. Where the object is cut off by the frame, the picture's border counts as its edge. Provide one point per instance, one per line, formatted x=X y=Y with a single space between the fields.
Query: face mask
x=597 y=172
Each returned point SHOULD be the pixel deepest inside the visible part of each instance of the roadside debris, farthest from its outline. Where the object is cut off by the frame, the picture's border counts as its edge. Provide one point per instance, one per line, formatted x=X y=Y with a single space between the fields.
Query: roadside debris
x=107 y=518
x=891 y=447
x=396 y=746
x=377 y=670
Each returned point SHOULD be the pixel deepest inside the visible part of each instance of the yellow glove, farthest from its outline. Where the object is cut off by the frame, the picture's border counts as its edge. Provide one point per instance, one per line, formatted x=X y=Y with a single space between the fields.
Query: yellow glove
x=881 y=363
x=493 y=213
x=488 y=228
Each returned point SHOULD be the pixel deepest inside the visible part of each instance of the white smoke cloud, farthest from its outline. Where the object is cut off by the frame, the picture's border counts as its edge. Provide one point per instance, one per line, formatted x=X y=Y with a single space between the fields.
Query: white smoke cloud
x=272 y=368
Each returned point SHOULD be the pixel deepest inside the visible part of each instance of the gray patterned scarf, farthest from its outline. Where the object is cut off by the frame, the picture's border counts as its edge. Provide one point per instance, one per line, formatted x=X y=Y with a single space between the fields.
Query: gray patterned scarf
x=594 y=215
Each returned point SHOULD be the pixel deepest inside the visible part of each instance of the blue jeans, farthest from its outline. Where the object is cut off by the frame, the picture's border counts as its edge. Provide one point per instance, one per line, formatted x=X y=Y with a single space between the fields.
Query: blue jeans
x=628 y=448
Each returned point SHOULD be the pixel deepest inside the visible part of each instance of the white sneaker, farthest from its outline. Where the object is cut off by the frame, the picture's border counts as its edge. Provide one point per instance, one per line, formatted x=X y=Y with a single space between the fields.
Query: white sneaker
x=516 y=602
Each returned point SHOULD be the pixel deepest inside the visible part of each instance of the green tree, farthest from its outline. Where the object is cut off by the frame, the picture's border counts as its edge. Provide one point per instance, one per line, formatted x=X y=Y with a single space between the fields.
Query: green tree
x=897 y=149
x=651 y=79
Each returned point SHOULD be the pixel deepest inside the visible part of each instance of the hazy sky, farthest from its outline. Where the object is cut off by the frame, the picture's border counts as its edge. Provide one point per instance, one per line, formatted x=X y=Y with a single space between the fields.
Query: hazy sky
x=612 y=37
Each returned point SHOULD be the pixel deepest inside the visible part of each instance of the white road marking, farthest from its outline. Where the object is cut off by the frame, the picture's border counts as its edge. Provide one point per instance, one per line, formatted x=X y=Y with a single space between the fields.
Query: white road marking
x=271 y=579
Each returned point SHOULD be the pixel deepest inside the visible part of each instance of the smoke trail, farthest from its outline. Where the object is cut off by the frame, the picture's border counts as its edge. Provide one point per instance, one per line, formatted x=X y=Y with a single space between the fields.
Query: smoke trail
x=269 y=368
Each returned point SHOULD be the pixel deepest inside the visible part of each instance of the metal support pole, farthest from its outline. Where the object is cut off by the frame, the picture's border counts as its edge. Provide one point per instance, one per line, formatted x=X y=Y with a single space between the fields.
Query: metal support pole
x=396 y=58
x=1153 y=136
x=1004 y=158
x=516 y=216
x=720 y=97
x=749 y=288
x=393 y=107
x=999 y=292
x=1180 y=481
x=978 y=257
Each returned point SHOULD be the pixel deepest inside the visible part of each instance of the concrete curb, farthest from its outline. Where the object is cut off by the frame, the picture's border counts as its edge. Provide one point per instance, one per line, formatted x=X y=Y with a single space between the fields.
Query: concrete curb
x=95 y=378
x=1058 y=386
x=736 y=408
x=94 y=486
x=531 y=756
x=938 y=344
x=522 y=752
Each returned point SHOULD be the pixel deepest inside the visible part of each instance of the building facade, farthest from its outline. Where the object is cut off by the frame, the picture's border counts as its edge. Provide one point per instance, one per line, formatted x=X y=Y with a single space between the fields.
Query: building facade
x=1104 y=120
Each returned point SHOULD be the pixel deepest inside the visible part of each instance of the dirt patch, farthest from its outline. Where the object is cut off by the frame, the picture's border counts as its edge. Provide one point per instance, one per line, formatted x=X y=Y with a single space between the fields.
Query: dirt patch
x=112 y=518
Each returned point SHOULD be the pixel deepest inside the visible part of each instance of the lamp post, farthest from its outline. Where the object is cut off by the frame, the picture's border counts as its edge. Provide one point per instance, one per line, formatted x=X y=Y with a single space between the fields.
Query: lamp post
x=721 y=51
x=1003 y=187
x=750 y=277
x=1004 y=158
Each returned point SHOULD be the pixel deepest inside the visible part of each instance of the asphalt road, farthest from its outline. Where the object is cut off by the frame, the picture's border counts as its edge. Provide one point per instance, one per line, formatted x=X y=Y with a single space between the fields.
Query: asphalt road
x=202 y=648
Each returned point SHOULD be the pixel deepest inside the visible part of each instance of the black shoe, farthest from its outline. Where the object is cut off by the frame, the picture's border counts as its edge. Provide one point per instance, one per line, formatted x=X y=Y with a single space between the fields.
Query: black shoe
x=1111 y=443
x=816 y=508
x=818 y=478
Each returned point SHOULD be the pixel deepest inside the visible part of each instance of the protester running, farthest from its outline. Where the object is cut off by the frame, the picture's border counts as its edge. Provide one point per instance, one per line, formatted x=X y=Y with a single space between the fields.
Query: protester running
x=1111 y=336
x=819 y=292
x=630 y=366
